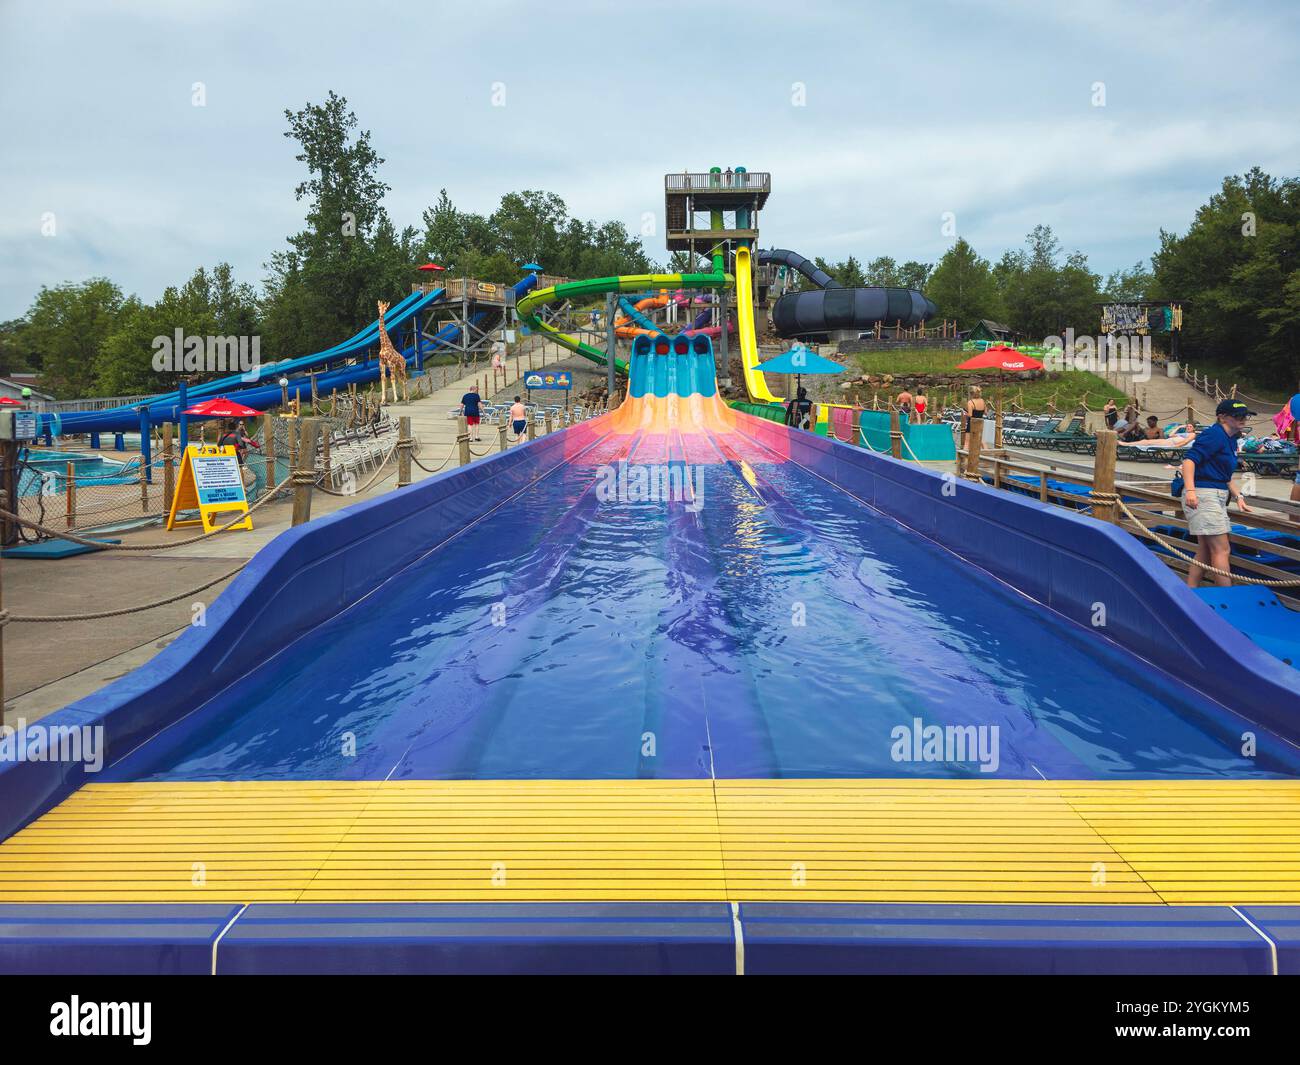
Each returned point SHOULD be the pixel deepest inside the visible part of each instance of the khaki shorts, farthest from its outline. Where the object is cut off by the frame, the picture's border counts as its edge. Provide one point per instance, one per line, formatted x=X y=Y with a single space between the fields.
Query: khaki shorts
x=1210 y=518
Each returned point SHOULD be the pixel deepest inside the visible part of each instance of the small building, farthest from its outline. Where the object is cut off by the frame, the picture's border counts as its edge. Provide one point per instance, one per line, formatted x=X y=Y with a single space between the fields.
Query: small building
x=12 y=387
x=994 y=332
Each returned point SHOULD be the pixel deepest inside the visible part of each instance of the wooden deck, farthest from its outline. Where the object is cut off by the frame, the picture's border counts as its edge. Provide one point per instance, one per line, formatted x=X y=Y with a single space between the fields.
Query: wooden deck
x=976 y=841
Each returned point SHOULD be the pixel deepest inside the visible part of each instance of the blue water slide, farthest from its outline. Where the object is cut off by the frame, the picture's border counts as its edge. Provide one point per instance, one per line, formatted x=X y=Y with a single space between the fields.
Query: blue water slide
x=626 y=306
x=262 y=394
x=672 y=366
x=119 y=419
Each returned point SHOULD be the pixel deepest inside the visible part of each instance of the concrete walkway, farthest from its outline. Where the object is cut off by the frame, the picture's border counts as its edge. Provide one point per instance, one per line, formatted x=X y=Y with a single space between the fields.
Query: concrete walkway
x=1164 y=396
x=49 y=665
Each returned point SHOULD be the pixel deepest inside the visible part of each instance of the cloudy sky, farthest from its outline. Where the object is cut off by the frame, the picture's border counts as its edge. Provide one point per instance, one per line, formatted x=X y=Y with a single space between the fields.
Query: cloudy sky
x=906 y=111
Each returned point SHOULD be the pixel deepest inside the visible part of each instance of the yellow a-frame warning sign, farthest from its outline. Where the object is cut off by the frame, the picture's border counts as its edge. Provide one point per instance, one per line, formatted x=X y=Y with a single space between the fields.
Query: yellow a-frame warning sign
x=210 y=483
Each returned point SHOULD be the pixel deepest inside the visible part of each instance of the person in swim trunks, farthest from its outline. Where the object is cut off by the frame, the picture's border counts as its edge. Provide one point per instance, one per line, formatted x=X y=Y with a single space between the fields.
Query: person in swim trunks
x=518 y=417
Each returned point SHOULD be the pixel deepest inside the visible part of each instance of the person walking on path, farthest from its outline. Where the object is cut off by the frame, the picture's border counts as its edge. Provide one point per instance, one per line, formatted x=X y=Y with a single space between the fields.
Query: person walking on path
x=518 y=417
x=469 y=406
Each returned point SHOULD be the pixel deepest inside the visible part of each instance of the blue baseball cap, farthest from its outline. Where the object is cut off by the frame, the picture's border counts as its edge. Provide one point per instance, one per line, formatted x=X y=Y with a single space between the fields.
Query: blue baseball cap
x=1236 y=408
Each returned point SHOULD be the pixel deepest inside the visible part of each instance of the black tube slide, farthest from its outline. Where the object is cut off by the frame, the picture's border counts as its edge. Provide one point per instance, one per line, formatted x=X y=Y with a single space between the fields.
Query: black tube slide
x=803 y=314
x=811 y=313
x=792 y=259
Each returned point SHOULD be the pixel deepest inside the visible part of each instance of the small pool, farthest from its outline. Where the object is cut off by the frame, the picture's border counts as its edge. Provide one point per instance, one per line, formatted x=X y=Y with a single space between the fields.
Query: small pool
x=48 y=471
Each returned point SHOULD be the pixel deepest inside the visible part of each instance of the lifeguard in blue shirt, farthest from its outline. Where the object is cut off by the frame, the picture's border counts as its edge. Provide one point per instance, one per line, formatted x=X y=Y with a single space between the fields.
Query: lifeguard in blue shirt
x=1207 y=473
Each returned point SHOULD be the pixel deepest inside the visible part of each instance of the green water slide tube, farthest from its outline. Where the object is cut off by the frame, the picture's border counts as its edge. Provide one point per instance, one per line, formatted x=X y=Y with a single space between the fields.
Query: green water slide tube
x=529 y=308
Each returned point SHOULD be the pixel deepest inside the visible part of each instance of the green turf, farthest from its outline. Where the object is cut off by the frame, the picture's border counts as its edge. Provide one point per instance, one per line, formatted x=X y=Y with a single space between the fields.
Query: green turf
x=1066 y=389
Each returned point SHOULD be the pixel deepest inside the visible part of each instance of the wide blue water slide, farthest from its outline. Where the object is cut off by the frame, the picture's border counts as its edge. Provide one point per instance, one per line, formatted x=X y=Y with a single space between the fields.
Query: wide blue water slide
x=636 y=617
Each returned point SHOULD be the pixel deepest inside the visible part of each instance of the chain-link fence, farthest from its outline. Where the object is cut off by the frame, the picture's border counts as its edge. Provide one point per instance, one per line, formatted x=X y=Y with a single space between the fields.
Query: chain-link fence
x=70 y=490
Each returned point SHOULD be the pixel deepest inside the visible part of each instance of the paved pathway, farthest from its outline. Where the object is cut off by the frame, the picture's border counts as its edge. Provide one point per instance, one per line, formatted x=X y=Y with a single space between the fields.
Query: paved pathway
x=49 y=665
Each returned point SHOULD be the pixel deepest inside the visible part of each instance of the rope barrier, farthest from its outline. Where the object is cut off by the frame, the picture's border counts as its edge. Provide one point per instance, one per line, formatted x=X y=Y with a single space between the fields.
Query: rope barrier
x=7 y=618
x=99 y=545
x=373 y=480
x=438 y=468
x=1178 y=553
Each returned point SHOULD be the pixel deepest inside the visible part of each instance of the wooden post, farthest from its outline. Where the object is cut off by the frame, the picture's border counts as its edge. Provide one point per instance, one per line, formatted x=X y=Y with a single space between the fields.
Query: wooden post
x=462 y=439
x=1191 y=414
x=326 y=463
x=304 y=471
x=268 y=449
x=70 y=478
x=169 y=474
x=1042 y=486
x=502 y=442
x=532 y=427
x=404 y=443
x=895 y=433
x=549 y=423
x=1104 y=507
x=997 y=423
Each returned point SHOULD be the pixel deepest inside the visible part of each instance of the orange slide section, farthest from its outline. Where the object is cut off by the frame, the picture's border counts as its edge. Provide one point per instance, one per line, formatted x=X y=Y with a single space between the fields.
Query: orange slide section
x=626 y=328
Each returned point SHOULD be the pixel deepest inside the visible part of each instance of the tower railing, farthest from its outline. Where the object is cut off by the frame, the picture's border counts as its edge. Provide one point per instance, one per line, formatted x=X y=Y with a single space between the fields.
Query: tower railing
x=757 y=181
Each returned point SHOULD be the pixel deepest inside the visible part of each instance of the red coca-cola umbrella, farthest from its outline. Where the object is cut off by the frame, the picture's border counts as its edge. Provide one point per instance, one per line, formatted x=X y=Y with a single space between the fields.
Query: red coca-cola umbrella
x=221 y=408
x=1001 y=357
x=432 y=266
x=9 y=401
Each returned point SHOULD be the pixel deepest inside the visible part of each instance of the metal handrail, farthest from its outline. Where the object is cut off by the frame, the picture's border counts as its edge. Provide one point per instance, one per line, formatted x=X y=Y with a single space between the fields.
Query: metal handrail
x=758 y=181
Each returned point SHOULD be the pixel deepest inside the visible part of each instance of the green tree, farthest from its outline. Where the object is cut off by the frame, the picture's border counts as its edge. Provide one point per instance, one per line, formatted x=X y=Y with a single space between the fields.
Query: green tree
x=334 y=259
x=1043 y=295
x=527 y=223
x=962 y=287
x=1130 y=285
x=914 y=275
x=444 y=230
x=1238 y=270
x=210 y=303
x=16 y=352
x=882 y=271
x=66 y=327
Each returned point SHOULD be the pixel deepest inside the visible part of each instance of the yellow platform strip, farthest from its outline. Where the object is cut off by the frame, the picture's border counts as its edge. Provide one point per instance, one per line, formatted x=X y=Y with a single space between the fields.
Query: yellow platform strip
x=974 y=841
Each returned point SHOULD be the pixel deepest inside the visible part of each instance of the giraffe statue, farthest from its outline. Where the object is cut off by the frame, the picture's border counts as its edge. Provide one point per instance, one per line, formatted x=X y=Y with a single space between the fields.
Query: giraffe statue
x=390 y=361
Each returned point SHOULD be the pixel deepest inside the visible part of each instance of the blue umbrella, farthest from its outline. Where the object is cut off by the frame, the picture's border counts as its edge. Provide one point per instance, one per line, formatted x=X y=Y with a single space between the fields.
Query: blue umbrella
x=800 y=360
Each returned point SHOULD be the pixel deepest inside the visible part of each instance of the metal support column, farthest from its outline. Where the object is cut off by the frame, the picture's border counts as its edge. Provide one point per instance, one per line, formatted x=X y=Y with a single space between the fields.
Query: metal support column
x=611 y=349
x=724 y=371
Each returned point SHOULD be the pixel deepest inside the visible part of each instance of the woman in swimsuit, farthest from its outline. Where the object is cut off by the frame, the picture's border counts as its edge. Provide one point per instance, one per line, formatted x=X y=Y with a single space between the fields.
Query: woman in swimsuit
x=976 y=408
